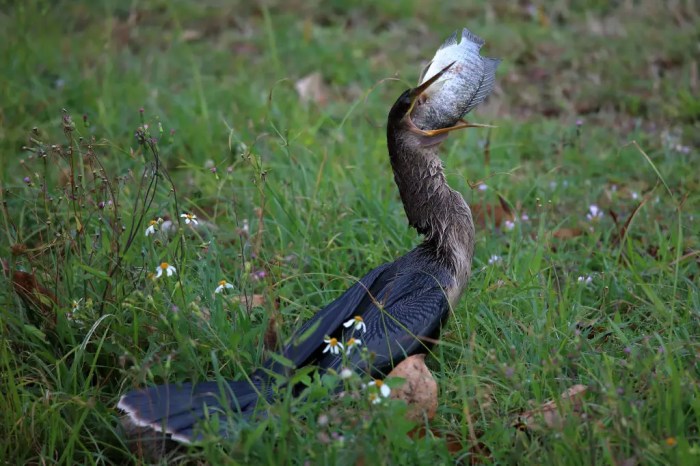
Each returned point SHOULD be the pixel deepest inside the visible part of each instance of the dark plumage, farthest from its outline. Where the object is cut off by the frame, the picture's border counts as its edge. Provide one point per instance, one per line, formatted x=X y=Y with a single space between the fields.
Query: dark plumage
x=399 y=302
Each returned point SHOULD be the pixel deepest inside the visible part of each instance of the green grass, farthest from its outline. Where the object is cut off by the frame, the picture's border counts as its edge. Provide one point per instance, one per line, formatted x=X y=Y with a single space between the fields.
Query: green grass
x=317 y=176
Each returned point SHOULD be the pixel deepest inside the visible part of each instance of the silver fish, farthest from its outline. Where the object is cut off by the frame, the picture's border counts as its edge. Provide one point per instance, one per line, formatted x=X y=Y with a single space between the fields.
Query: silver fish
x=463 y=86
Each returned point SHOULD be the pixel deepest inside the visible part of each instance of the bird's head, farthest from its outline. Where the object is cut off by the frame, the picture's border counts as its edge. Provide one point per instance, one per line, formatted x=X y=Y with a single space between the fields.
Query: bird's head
x=400 y=114
x=401 y=111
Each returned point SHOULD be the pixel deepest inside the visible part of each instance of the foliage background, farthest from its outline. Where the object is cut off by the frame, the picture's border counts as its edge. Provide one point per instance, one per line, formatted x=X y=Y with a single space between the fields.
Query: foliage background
x=296 y=200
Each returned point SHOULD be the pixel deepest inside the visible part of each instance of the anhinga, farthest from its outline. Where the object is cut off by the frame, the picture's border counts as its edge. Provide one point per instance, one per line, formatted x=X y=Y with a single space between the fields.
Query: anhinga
x=401 y=303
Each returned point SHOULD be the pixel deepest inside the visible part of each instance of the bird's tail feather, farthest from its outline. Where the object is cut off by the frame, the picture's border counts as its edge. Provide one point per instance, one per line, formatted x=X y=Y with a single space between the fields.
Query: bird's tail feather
x=177 y=409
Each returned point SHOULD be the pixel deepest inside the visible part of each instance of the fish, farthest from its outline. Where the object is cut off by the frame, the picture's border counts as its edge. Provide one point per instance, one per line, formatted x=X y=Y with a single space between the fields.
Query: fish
x=469 y=78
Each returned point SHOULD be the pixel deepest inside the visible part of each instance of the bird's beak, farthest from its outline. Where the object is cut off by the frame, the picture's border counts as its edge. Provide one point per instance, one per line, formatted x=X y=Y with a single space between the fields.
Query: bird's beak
x=418 y=91
x=435 y=136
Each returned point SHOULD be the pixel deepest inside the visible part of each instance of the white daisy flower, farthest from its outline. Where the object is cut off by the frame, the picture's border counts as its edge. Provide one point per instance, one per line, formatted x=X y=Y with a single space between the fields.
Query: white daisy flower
x=190 y=218
x=382 y=388
x=151 y=230
x=351 y=343
x=346 y=373
x=494 y=259
x=165 y=267
x=332 y=345
x=223 y=285
x=357 y=322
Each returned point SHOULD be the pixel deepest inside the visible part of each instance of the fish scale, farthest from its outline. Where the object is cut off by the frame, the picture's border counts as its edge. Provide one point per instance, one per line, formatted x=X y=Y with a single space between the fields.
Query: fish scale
x=461 y=88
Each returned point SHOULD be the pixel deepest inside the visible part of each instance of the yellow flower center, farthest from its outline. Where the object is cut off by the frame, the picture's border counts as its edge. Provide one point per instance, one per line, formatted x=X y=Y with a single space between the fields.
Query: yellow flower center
x=164 y=265
x=378 y=383
x=358 y=319
x=333 y=341
x=222 y=283
x=351 y=341
x=152 y=223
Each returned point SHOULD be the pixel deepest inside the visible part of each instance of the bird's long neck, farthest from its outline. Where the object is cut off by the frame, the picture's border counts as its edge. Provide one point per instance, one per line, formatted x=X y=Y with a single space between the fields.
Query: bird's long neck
x=432 y=207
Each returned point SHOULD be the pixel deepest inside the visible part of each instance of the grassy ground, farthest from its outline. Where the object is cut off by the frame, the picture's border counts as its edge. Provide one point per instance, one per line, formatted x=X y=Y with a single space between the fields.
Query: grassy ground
x=296 y=199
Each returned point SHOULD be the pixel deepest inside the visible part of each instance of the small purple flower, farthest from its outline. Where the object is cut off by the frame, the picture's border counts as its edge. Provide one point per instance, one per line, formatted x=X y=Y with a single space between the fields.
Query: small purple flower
x=141 y=110
x=494 y=259
x=27 y=180
x=682 y=149
x=627 y=350
x=579 y=122
x=586 y=280
x=101 y=205
x=594 y=213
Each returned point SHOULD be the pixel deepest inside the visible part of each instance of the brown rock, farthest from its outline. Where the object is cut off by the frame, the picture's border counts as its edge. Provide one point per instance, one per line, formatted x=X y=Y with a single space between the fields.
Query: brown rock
x=420 y=391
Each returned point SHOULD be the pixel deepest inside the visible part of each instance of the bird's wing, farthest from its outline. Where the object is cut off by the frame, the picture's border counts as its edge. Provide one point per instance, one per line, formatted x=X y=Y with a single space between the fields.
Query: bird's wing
x=309 y=337
x=406 y=305
x=175 y=409
x=399 y=304
x=416 y=307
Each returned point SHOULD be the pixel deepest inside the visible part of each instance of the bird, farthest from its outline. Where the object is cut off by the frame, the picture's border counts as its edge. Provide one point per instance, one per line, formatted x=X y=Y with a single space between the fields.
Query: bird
x=397 y=309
